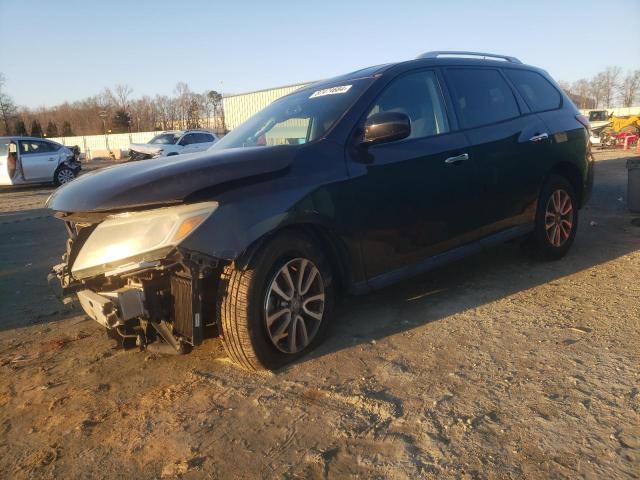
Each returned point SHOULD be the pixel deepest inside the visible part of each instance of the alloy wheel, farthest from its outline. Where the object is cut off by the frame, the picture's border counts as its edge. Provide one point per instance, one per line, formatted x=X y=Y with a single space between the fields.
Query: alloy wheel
x=294 y=305
x=65 y=176
x=558 y=218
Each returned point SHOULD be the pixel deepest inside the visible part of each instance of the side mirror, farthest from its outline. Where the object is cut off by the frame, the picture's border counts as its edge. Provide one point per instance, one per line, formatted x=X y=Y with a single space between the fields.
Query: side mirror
x=386 y=127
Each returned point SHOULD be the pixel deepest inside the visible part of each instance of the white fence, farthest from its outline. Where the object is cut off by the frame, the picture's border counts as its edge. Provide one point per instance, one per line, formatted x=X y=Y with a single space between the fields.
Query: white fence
x=113 y=142
x=618 y=111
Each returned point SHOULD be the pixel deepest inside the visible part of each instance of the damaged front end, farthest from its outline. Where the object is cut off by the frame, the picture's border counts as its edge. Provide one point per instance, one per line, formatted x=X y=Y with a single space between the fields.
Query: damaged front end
x=132 y=276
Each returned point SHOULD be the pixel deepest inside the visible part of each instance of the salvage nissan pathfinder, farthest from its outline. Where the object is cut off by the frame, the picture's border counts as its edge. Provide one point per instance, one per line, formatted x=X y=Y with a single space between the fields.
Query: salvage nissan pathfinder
x=349 y=184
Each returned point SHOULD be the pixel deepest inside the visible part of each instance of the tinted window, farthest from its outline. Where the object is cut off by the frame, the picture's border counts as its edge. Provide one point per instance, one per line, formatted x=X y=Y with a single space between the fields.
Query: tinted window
x=203 y=138
x=537 y=91
x=188 y=139
x=418 y=96
x=481 y=96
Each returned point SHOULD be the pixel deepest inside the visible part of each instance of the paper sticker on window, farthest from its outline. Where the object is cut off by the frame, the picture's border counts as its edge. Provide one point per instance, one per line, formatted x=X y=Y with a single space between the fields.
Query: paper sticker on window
x=331 y=91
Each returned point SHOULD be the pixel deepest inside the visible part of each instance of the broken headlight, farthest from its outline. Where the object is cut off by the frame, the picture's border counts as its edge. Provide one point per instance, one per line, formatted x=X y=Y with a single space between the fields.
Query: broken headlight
x=139 y=236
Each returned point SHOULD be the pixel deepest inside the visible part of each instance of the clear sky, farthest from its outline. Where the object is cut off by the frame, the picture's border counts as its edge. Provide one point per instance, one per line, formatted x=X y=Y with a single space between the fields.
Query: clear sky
x=57 y=50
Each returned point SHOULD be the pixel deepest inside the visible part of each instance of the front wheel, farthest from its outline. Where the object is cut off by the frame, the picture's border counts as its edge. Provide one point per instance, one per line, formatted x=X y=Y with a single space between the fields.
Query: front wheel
x=556 y=218
x=279 y=306
x=63 y=175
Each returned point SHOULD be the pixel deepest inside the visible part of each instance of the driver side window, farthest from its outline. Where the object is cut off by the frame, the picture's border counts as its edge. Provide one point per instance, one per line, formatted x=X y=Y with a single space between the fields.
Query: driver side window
x=418 y=96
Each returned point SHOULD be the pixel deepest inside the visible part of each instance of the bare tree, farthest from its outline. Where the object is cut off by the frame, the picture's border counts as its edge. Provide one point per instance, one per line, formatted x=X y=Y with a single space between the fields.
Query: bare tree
x=610 y=84
x=629 y=88
x=183 y=94
x=7 y=107
x=596 y=89
x=122 y=94
x=580 y=88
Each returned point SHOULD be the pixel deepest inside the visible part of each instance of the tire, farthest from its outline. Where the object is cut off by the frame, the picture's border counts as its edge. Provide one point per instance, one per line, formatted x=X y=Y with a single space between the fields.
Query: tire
x=246 y=300
x=554 y=230
x=63 y=175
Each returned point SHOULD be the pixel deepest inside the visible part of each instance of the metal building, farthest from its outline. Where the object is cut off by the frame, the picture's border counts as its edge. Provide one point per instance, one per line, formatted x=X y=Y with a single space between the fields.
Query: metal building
x=237 y=108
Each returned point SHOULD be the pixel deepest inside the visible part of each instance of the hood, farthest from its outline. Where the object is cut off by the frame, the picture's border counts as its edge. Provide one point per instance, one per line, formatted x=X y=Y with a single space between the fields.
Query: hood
x=148 y=148
x=166 y=180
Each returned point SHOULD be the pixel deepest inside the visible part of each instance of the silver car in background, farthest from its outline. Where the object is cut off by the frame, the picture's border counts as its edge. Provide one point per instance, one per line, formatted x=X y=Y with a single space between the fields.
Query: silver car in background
x=36 y=160
x=173 y=142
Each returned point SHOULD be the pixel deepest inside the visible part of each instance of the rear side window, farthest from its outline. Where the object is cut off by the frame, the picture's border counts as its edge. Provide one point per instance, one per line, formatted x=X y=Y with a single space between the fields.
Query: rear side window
x=537 y=91
x=204 y=138
x=481 y=96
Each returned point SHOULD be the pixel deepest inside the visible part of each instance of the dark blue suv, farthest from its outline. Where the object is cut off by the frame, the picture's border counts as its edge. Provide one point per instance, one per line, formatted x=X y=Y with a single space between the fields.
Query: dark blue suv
x=348 y=184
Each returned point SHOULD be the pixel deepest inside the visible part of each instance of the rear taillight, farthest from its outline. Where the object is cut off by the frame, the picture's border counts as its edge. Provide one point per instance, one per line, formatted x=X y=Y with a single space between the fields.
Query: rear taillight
x=584 y=121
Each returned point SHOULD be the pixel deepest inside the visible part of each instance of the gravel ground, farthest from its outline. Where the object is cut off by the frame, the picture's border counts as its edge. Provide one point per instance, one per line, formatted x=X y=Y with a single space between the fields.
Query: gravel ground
x=495 y=367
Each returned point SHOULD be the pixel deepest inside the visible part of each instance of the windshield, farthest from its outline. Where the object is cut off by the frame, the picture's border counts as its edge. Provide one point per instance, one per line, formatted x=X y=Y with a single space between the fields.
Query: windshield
x=297 y=118
x=165 y=139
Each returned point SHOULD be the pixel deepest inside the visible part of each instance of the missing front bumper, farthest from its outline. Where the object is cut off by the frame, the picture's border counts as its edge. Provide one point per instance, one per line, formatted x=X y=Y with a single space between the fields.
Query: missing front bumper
x=113 y=309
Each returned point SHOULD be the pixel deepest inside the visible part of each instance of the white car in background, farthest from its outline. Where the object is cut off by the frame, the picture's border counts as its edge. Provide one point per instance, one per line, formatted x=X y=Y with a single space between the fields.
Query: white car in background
x=36 y=160
x=174 y=142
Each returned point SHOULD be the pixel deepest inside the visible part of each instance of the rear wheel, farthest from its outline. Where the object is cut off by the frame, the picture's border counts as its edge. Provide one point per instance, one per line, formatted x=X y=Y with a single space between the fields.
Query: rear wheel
x=556 y=218
x=279 y=307
x=63 y=175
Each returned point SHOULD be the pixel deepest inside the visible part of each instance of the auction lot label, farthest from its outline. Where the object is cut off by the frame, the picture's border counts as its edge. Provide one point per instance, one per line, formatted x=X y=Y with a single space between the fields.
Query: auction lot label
x=330 y=91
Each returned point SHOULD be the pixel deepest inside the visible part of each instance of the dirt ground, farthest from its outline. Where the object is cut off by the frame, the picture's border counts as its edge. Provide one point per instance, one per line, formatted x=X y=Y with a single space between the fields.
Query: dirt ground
x=498 y=366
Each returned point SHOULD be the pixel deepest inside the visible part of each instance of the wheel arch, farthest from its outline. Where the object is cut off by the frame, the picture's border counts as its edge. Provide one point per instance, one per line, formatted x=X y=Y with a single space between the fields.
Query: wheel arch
x=322 y=236
x=573 y=174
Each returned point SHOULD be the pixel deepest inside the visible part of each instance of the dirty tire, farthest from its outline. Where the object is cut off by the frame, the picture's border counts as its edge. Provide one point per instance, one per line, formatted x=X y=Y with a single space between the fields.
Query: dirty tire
x=541 y=244
x=242 y=298
x=63 y=175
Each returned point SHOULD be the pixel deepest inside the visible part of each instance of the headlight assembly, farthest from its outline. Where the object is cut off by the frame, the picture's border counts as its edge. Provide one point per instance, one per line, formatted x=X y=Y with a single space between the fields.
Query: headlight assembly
x=138 y=236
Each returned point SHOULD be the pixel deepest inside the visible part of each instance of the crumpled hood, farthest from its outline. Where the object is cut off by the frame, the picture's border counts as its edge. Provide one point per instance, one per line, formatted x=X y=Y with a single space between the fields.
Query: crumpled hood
x=166 y=179
x=151 y=149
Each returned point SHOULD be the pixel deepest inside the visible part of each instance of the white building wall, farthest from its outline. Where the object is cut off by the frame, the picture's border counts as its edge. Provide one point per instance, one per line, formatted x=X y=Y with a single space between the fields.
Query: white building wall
x=237 y=108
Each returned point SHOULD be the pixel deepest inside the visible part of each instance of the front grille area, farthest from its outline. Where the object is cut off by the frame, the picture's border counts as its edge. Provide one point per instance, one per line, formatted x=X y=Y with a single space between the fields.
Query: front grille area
x=182 y=306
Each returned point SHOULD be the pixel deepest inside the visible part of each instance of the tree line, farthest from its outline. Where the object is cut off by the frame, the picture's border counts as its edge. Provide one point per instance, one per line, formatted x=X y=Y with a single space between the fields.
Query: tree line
x=114 y=111
x=607 y=89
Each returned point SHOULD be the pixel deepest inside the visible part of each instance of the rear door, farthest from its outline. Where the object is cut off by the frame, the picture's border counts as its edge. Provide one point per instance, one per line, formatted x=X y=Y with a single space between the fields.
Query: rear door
x=411 y=199
x=566 y=136
x=507 y=142
x=39 y=160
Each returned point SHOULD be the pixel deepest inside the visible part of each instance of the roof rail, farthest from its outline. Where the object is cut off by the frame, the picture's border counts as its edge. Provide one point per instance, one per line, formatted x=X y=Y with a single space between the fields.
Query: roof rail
x=452 y=53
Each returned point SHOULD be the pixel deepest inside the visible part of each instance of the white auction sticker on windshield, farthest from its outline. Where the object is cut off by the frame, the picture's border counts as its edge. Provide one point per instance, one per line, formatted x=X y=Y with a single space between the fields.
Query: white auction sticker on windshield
x=330 y=91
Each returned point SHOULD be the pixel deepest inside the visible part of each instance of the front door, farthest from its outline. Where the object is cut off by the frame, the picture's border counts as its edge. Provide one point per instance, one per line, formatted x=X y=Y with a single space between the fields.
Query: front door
x=415 y=197
x=38 y=159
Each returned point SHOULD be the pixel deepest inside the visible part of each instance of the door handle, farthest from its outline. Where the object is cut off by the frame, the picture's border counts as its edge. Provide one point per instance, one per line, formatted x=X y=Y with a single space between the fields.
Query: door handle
x=51 y=159
x=457 y=158
x=537 y=138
